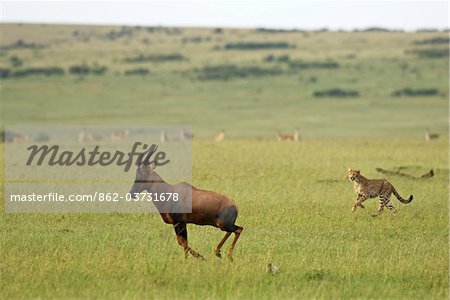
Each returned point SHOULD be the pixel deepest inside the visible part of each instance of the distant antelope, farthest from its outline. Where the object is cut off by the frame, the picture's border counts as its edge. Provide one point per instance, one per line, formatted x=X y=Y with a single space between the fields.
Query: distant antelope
x=220 y=136
x=163 y=136
x=208 y=208
x=288 y=137
x=297 y=136
x=284 y=137
x=430 y=136
x=19 y=139
x=185 y=135
x=81 y=136
x=95 y=137
x=118 y=135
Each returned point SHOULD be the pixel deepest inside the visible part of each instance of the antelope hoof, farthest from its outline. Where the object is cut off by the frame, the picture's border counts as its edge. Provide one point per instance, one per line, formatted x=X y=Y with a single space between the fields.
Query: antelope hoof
x=218 y=254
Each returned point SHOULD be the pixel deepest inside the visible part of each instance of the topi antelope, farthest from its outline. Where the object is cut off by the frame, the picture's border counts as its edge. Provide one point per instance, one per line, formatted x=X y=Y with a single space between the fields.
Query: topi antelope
x=220 y=136
x=430 y=136
x=208 y=208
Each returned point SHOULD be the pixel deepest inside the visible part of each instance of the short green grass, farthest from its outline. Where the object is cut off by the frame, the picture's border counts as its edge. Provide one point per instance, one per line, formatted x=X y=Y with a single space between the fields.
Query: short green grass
x=294 y=202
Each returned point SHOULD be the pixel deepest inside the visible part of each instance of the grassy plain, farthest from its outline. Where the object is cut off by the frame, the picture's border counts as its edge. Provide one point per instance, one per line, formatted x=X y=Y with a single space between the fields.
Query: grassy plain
x=295 y=205
x=294 y=198
x=373 y=63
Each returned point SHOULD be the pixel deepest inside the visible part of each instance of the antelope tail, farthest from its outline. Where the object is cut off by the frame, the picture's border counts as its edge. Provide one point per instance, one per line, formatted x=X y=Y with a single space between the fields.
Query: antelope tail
x=405 y=201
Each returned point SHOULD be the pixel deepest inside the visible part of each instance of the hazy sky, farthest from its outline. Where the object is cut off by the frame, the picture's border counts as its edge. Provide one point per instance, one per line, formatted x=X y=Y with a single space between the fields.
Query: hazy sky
x=407 y=15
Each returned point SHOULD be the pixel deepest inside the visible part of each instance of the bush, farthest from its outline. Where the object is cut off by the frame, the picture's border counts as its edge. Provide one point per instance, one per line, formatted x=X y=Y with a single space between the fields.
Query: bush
x=409 y=92
x=225 y=72
x=122 y=32
x=340 y=93
x=15 y=61
x=4 y=73
x=281 y=58
x=434 y=40
x=269 y=58
x=138 y=71
x=82 y=70
x=166 y=30
x=428 y=30
x=79 y=70
x=155 y=58
x=376 y=29
x=430 y=53
x=98 y=70
x=48 y=71
x=21 y=44
x=194 y=40
x=299 y=64
x=271 y=30
x=256 y=45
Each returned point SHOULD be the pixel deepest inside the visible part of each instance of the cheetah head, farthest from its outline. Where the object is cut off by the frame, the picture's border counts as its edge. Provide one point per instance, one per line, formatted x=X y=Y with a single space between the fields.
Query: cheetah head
x=353 y=175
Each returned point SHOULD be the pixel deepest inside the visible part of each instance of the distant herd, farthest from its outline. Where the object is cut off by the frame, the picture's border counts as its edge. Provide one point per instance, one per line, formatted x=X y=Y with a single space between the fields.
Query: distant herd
x=116 y=135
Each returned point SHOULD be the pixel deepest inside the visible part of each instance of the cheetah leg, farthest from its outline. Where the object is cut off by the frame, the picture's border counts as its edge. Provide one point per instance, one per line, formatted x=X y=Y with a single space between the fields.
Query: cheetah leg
x=382 y=203
x=359 y=202
x=388 y=204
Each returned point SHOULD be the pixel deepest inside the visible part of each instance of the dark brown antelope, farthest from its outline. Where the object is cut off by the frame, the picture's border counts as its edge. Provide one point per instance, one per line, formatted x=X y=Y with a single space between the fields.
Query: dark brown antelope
x=208 y=208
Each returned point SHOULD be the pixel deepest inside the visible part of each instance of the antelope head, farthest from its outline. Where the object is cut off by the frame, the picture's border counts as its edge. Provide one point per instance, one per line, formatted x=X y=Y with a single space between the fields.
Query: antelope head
x=145 y=173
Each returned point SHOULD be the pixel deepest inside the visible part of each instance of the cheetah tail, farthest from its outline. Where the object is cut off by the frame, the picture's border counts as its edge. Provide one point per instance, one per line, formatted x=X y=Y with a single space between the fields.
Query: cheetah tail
x=405 y=201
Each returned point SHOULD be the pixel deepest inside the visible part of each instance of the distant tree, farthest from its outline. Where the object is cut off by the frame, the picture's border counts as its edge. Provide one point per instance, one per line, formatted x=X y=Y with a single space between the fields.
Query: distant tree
x=155 y=58
x=430 y=53
x=80 y=70
x=300 y=64
x=340 y=93
x=15 y=61
x=409 y=92
x=435 y=40
x=226 y=72
x=4 y=73
x=44 y=71
x=137 y=71
x=256 y=45
x=83 y=70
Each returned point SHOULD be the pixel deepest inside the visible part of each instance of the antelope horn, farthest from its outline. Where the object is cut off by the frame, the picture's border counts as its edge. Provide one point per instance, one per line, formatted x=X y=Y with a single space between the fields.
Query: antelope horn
x=139 y=161
x=149 y=154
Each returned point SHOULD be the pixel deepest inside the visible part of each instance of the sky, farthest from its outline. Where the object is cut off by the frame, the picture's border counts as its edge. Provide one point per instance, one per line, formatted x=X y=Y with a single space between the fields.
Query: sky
x=405 y=15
